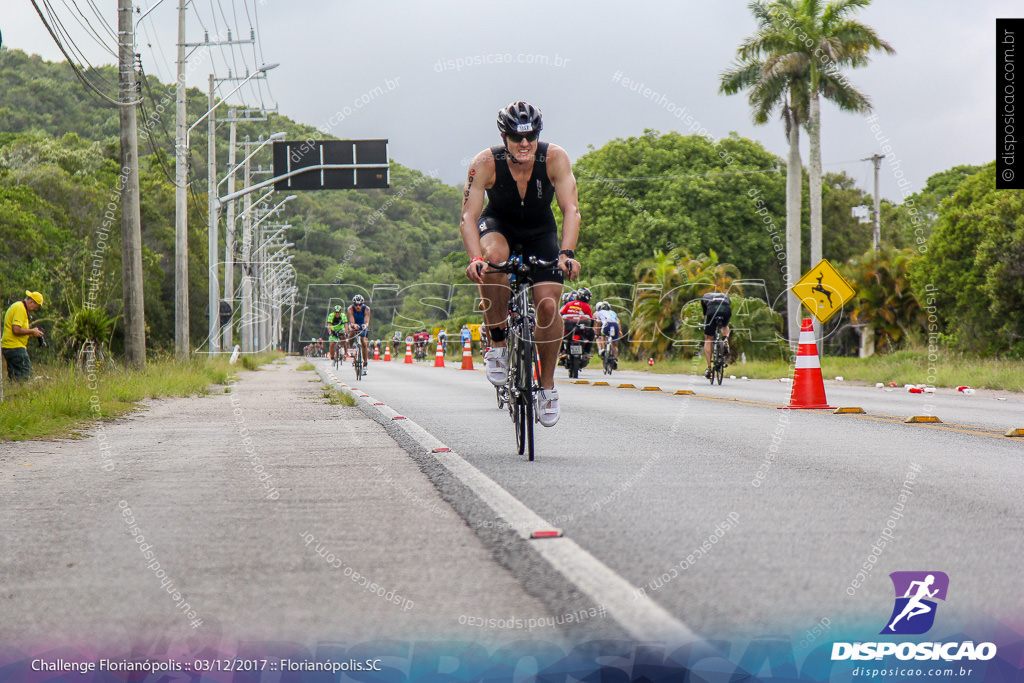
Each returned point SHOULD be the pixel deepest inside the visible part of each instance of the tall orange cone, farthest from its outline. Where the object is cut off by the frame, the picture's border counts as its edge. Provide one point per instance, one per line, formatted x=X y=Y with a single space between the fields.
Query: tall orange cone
x=808 y=384
x=467 y=356
x=376 y=351
x=408 y=354
x=387 y=353
x=439 y=358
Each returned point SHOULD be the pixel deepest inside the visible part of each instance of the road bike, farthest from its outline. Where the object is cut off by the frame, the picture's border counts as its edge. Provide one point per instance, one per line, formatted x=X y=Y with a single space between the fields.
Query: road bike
x=719 y=355
x=523 y=367
x=359 y=361
x=608 y=361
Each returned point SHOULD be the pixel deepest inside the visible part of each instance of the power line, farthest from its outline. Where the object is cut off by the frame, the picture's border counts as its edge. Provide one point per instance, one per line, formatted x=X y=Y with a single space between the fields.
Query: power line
x=78 y=72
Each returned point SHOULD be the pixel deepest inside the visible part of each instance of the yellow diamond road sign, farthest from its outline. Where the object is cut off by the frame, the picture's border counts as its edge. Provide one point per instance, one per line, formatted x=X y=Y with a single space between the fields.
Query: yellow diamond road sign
x=823 y=291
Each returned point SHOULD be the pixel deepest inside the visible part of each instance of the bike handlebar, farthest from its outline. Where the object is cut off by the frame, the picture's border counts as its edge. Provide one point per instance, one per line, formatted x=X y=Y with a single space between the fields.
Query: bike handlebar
x=519 y=267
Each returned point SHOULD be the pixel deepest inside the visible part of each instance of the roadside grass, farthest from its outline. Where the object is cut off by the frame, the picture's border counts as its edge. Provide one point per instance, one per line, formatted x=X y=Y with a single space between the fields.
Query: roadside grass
x=901 y=367
x=63 y=401
x=336 y=397
x=306 y=366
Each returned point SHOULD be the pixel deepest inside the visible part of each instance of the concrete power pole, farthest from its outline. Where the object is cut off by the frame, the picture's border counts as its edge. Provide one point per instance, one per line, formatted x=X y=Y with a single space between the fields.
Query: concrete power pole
x=181 y=341
x=213 y=301
x=877 y=232
x=131 y=217
x=247 y=265
x=229 y=239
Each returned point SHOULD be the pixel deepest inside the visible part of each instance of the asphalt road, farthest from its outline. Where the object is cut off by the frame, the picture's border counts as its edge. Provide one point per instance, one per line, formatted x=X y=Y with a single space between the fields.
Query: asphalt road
x=742 y=519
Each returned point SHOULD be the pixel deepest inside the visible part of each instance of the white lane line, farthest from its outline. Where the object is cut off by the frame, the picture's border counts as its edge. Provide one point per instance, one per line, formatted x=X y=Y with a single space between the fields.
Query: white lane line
x=640 y=616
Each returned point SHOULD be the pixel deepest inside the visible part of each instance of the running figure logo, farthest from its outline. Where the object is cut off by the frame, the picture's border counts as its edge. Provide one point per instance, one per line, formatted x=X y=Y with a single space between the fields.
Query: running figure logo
x=914 y=612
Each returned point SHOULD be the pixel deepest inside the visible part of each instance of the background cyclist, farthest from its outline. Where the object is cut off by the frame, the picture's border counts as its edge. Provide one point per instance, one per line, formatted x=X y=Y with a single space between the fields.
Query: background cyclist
x=577 y=310
x=359 y=323
x=520 y=178
x=717 y=312
x=336 y=323
x=607 y=323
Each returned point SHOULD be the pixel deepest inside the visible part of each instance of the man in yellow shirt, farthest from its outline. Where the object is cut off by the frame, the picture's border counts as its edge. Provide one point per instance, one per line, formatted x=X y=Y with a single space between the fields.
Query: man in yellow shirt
x=16 y=334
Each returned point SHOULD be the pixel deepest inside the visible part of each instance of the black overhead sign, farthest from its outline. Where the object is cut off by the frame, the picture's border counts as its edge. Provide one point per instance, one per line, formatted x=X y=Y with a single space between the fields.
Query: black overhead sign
x=331 y=165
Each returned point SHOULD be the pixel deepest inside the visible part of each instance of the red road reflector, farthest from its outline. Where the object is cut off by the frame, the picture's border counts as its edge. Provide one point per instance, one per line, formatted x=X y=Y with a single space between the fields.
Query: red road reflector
x=378 y=403
x=399 y=417
x=443 y=449
x=547 y=533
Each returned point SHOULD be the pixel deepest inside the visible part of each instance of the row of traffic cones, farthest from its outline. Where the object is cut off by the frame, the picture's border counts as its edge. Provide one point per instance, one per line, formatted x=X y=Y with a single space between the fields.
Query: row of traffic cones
x=467 y=356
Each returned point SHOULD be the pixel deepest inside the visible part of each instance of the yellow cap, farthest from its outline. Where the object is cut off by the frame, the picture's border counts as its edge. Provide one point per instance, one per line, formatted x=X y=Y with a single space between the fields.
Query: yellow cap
x=35 y=296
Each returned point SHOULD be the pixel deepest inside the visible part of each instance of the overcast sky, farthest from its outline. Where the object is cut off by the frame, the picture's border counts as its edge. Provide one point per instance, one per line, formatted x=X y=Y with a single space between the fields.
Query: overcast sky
x=444 y=68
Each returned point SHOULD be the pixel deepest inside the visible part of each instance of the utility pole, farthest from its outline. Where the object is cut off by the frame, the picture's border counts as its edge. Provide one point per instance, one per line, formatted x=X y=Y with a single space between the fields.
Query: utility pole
x=877 y=230
x=181 y=149
x=181 y=333
x=211 y=185
x=229 y=239
x=131 y=217
x=247 y=341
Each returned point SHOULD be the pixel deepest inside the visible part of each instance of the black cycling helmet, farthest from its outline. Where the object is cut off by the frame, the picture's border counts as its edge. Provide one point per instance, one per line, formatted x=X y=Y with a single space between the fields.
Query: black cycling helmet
x=566 y=297
x=583 y=294
x=519 y=118
x=357 y=299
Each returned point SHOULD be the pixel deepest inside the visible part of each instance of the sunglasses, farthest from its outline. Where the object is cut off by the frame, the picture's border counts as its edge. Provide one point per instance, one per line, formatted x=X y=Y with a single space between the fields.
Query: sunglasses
x=517 y=138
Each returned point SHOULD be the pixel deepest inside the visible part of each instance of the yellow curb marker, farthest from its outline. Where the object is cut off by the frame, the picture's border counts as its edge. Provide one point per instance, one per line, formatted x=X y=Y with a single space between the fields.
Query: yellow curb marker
x=1015 y=432
x=684 y=392
x=918 y=419
x=626 y=386
x=651 y=389
x=847 y=411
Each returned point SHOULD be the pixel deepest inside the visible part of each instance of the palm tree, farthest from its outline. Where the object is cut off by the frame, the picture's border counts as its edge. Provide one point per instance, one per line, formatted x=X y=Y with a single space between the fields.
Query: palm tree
x=653 y=319
x=772 y=87
x=805 y=44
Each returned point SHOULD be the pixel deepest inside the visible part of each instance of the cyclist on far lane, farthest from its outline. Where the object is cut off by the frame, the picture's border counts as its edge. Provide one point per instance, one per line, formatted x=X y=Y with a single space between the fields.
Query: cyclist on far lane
x=717 y=312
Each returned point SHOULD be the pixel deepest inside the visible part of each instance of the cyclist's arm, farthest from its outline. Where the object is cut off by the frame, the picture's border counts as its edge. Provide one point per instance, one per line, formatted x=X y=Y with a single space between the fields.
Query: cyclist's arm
x=480 y=177
x=366 y=317
x=560 y=174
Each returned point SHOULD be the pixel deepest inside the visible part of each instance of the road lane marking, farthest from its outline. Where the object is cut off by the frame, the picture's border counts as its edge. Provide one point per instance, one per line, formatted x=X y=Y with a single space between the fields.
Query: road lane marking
x=641 y=617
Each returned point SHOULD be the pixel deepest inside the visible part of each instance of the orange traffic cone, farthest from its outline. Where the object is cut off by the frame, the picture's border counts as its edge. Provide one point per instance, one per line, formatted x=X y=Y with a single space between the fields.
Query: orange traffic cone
x=467 y=356
x=376 y=351
x=439 y=358
x=808 y=384
x=387 y=353
x=408 y=354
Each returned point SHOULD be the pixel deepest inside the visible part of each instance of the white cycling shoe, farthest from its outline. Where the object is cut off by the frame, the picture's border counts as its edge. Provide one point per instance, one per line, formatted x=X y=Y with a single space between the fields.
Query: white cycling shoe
x=547 y=407
x=496 y=365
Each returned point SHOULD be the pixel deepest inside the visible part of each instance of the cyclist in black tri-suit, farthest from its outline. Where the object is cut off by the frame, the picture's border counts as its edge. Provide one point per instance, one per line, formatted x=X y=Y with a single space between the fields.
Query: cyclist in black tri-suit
x=717 y=313
x=520 y=178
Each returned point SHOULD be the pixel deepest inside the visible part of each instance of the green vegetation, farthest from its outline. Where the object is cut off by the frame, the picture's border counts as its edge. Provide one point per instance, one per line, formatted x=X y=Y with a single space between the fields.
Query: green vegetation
x=336 y=397
x=61 y=401
x=306 y=366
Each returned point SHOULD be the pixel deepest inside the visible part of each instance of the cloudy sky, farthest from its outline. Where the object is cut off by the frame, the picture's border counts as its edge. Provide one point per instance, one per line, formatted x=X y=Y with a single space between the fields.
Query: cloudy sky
x=430 y=76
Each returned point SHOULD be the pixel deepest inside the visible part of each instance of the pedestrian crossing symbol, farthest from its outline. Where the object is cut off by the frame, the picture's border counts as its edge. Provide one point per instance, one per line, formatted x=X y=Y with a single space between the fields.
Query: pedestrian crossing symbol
x=823 y=291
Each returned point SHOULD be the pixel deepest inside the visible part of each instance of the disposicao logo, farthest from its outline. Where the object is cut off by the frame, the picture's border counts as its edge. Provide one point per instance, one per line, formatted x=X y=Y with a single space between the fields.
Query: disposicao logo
x=914 y=611
x=913 y=614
